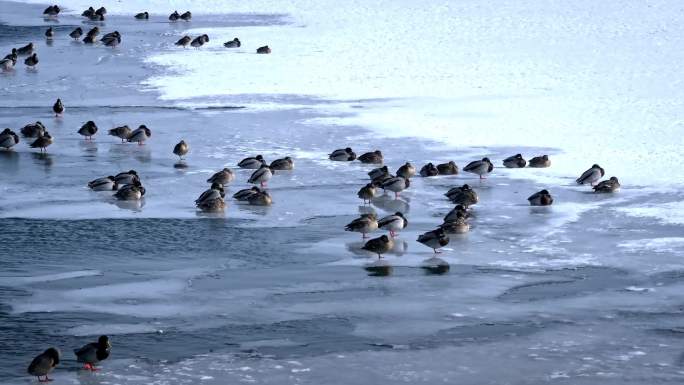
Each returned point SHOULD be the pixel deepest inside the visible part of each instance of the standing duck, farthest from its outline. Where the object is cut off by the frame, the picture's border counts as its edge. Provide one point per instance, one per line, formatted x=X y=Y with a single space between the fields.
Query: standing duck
x=101 y=11
x=235 y=43
x=111 y=39
x=377 y=172
x=260 y=198
x=244 y=194
x=608 y=186
x=261 y=176
x=457 y=226
x=393 y=223
x=43 y=364
x=540 y=161
x=380 y=245
x=592 y=175
x=31 y=61
x=140 y=134
x=285 y=163
x=541 y=198
x=367 y=193
x=58 y=107
x=365 y=224
x=374 y=157
x=434 y=239
x=103 y=184
x=8 y=62
x=407 y=170
x=253 y=163
x=88 y=129
x=91 y=354
x=343 y=155
x=88 y=12
x=91 y=36
x=212 y=205
x=215 y=191
x=142 y=16
x=126 y=177
x=42 y=142
x=49 y=34
x=181 y=149
x=380 y=179
x=123 y=132
x=199 y=41
x=8 y=139
x=25 y=50
x=34 y=130
x=184 y=41
x=396 y=185
x=463 y=195
x=131 y=192
x=174 y=16
x=76 y=33
x=480 y=167
x=96 y=17
x=515 y=161
x=449 y=168
x=222 y=177
x=187 y=15
x=429 y=170
x=263 y=50
x=51 y=11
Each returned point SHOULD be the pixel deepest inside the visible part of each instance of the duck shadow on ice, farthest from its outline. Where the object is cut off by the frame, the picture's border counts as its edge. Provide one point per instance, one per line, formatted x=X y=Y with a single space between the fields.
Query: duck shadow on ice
x=132 y=205
x=391 y=204
x=43 y=158
x=254 y=209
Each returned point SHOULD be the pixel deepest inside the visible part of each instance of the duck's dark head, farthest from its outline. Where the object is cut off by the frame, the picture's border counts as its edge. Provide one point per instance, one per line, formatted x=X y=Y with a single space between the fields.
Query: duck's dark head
x=54 y=354
x=614 y=178
x=348 y=150
x=216 y=186
x=259 y=158
x=103 y=342
x=256 y=189
x=384 y=238
x=595 y=166
x=378 y=152
x=485 y=159
x=544 y=192
x=465 y=187
x=133 y=172
x=6 y=131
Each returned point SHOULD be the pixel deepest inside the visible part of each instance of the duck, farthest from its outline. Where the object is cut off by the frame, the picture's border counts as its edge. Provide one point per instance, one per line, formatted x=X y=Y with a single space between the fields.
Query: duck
x=285 y=163
x=365 y=224
x=101 y=11
x=142 y=15
x=111 y=40
x=31 y=61
x=393 y=223
x=261 y=176
x=88 y=129
x=541 y=198
x=377 y=172
x=263 y=50
x=89 y=39
x=8 y=63
x=52 y=11
x=457 y=226
x=540 y=162
x=261 y=198
x=126 y=177
x=407 y=170
x=49 y=34
x=480 y=167
x=123 y=132
x=8 y=139
x=25 y=50
x=367 y=193
x=456 y=213
x=42 y=142
x=515 y=161
x=96 y=17
x=44 y=363
x=212 y=205
x=235 y=43
x=607 y=186
x=380 y=245
x=449 y=168
x=184 y=41
x=215 y=191
x=131 y=192
x=199 y=41
x=88 y=12
x=429 y=170
x=93 y=32
x=76 y=33
x=222 y=177
x=187 y=15
x=34 y=130
x=592 y=175
x=103 y=184
x=93 y=353
x=174 y=16
x=374 y=157
x=464 y=196
x=342 y=155
x=181 y=149
x=396 y=185
x=434 y=239
x=380 y=179
x=58 y=107
x=252 y=163
x=244 y=194
x=140 y=134
x=12 y=55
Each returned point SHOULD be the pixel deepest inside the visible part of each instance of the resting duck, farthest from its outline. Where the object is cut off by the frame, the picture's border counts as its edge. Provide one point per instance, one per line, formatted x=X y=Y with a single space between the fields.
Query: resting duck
x=515 y=161
x=374 y=157
x=215 y=191
x=365 y=224
x=608 y=186
x=200 y=41
x=142 y=16
x=235 y=43
x=253 y=163
x=174 y=16
x=76 y=33
x=49 y=34
x=380 y=245
x=184 y=41
x=407 y=171
x=343 y=155
x=377 y=172
x=429 y=170
x=393 y=223
x=261 y=176
x=181 y=149
x=42 y=142
x=131 y=192
x=222 y=177
x=457 y=226
x=52 y=11
x=88 y=129
x=123 y=132
x=31 y=61
x=540 y=161
x=263 y=50
x=43 y=364
x=34 y=130
x=285 y=163
x=244 y=194
x=260 y=198
x=25 y=50
x=592 y=175
x=367 y=193
x=480 y=167
x=187 y=15
x=449 y=168
x=8 y=139
x=103 y=184
x=463 y=195
x=541 y=198
x=126 y=177
x=396 y=185
x=434 y=239
x=456 y=213
x=140 y=135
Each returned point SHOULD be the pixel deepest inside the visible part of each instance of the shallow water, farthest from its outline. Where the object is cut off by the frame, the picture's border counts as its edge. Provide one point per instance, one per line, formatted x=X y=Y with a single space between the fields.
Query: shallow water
x=584 y=291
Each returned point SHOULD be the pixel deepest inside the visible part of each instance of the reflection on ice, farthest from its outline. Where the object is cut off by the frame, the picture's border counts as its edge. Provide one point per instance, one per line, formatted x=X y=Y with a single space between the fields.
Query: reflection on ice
x=391 y=204
x=132 y=205
x=435 y=266
x=378 y=268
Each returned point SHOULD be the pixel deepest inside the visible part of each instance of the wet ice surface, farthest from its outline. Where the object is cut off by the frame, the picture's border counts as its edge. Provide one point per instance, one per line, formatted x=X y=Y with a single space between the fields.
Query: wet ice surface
x=584 y=291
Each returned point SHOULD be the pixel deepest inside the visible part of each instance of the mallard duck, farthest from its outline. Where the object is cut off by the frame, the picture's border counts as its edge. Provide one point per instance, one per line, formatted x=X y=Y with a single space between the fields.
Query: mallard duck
x=343 y=155
x=367 y=192
x=8 y=139
x=540 y=162
x=261 y=176
x=449 y=168
x=93 y=353
x=592 y=175
x=88 y=129
x=365 y=224
x=33 y=130
x=457 y=226
x=379 y=245
x=608 y=186
x=58 y=107
x=8 y=63
x=515 y=161
x=235 y=43
x=429 y=170
x=130 y=192
x=42 y=142
x=174 y=16
x=215 y=191
x=377 y=172
x=76 y=33
x=260 y=198
x=25 y=50
x=541 y=198
x=181 y=149
x=31 y=61
x=434 y=239
x=126 y=177
x=43 y=364
x=49 y=34
x=123 y=132
x=142 y=15
x=111 y=39
x=393 y=223
x=374 y=157
x=396 y=185
x=184 y=41
x=244 y=194
x=52 y=11
x=463 y=195
x=253 y=163
x=407 y=171
x=222 y=177
x=187 y=15
x=285 y=163
x=88 y=12
x=212 y=205
x=456 y=213
x=107 y=183
x=263 y=50
x=480 y=167
x=199 y=41
x=140 y=135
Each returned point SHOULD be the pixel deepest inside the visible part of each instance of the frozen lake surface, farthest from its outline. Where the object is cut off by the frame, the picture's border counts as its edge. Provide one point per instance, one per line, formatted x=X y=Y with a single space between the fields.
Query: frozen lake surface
x=586 y=291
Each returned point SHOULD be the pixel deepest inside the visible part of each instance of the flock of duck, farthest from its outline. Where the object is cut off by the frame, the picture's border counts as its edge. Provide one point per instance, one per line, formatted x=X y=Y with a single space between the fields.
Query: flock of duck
x=127 y=185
